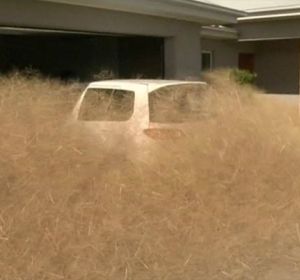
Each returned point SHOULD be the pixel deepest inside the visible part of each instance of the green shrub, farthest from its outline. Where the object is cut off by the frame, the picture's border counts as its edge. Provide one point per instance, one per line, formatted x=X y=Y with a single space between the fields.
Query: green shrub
x=244 y=76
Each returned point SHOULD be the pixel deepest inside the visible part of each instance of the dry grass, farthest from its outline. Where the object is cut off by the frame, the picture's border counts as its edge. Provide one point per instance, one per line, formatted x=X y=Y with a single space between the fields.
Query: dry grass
x=222 y=204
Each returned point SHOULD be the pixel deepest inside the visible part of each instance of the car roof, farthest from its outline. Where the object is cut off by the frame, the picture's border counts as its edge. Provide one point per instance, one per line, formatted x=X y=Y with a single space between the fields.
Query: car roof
x=150 y=84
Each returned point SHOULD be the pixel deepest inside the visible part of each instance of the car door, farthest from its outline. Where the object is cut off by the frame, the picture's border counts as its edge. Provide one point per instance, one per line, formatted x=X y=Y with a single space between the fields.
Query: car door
x=174 y=109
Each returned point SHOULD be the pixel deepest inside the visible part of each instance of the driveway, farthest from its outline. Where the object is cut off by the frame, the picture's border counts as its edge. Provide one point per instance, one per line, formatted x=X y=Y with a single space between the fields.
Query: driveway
x=290 y=98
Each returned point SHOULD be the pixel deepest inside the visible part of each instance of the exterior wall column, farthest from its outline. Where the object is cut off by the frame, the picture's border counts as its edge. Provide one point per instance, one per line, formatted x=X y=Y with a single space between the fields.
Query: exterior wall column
x=183 y=56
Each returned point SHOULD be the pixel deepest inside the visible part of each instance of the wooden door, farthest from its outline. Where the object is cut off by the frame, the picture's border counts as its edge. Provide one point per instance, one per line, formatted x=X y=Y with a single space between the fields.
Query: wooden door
x=247 y=61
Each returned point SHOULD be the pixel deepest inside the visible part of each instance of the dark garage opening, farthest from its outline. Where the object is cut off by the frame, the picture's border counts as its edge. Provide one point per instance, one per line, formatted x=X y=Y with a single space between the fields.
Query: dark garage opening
x=83 y=57
x=141 y=57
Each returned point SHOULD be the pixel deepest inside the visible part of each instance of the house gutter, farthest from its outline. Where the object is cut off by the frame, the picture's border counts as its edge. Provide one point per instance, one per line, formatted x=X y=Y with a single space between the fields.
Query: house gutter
x=269 y=17
x=274 y=10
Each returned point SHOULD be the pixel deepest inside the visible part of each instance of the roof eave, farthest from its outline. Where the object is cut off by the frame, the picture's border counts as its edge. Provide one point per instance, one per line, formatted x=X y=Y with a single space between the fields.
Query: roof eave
x=269 y=17
x=188 y=10
x=223 y=33
x=273 y=10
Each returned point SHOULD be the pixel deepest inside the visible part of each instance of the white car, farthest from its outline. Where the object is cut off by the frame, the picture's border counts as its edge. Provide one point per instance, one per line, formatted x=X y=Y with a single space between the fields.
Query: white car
x=138 y=112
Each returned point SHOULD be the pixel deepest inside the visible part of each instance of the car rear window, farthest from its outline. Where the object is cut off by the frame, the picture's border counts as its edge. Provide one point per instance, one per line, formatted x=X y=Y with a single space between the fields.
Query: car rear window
x=107 y=105
x=177 y=104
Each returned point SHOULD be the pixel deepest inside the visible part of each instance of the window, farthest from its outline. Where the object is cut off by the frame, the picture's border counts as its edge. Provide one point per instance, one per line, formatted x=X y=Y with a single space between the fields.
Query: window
x=176 y=104
x=107 y=105
x=207 y=60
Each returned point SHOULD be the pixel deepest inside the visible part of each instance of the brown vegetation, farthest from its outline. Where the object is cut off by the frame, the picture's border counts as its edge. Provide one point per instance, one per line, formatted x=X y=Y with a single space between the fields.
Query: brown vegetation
x=222 y=204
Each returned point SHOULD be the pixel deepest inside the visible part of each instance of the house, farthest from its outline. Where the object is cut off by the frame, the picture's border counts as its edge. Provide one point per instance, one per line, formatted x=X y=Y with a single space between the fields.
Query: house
x=265 y=41
x=80 y=38
x=150 y=39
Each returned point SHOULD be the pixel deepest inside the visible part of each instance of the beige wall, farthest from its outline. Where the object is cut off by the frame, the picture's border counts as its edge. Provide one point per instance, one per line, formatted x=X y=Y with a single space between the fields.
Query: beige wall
x=267 y=30
x=276 y=61
x=277 y=48
x=225 y=52
x=277 y=66
x=183 y=48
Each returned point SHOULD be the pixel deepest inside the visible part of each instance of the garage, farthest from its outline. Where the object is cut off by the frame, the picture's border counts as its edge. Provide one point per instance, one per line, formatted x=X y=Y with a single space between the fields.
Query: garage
x=81 y=56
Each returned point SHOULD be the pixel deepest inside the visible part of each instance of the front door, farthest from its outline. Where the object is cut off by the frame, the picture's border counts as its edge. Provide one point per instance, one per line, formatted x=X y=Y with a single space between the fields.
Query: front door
x=247 y=61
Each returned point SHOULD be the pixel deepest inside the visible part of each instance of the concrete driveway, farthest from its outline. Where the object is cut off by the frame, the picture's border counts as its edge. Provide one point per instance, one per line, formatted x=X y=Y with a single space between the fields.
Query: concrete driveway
x=290 y=98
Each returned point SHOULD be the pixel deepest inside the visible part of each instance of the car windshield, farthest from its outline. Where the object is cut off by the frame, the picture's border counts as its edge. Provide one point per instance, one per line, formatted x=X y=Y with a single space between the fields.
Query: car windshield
x=177 y=104
x=107 y=105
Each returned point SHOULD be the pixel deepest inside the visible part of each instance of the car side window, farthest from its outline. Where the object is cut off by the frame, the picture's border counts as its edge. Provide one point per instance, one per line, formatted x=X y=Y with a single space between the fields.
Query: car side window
x=107 y=105
x=176 y=104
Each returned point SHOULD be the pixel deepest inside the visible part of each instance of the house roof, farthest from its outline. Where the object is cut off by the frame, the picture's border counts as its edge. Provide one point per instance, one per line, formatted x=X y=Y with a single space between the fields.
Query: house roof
x=280 y=12
x=274 y=9
x=256 y=5
x=190 y=10
x=262 y=10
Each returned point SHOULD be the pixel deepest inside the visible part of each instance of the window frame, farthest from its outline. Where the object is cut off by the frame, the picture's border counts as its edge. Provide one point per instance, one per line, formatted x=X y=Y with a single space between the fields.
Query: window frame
x=171 y=91
x=82 y=99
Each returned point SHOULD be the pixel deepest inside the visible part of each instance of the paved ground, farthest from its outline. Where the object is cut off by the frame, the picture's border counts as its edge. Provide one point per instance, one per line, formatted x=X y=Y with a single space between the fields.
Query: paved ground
x=291 y=98
x=285 y=270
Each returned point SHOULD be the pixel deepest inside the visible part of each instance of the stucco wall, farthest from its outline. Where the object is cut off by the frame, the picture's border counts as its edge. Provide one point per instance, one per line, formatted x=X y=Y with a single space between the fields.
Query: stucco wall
x=183 y=48
x=225 y=52
x=277 y=53
x=276 y=62
x=277 y=66
x=272 y=29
